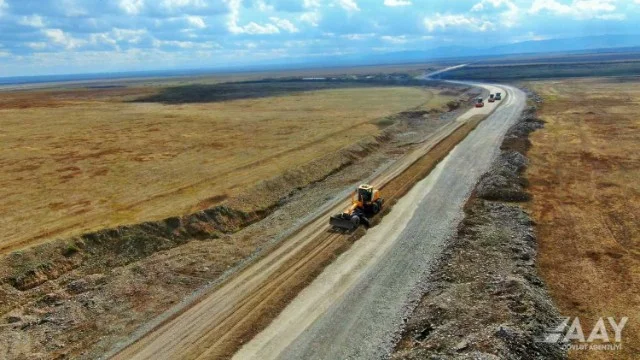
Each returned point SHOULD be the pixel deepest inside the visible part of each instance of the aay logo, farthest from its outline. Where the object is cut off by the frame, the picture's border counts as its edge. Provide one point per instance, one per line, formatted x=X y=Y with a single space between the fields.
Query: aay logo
x=601 y=337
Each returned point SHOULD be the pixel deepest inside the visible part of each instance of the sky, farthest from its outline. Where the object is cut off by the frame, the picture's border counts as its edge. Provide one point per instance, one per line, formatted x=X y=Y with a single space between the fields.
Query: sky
x=40 y=37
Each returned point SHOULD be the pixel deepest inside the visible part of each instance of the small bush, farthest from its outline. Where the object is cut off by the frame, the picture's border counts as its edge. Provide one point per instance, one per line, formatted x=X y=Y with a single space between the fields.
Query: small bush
x=70 y=250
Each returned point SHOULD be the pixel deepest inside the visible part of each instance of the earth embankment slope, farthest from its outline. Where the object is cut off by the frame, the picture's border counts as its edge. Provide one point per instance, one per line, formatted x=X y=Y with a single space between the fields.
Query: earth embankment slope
x=127 y=275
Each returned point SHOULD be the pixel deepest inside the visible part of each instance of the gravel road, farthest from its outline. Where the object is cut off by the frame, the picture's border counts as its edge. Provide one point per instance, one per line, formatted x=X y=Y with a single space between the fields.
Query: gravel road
x=356 y=307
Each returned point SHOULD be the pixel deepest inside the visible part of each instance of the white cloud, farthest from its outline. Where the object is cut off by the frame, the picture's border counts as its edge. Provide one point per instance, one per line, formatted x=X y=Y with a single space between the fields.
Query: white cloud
x=393 y=3
x=37 y=45
x=448 y=21
x=358 y=36
x=172 y=43
x=132 y=36
x=298 y=43
x=102 y=38
x=177 y=4
x=579 y=9
x=313 y=18
x=186 y=44
x=196 y=21
x=551 y=6
x=210 y=45
x=59 y=37
x=313 y=4
x=616 y=16
x=508 y=17
x=249 y=45
x=251 y=28
x=482 y=5
x=73 y=8
x=131 y=7
x=263 y=6
x=349 y=5
x=394 y=39
x=33 y=20
x=284 y=24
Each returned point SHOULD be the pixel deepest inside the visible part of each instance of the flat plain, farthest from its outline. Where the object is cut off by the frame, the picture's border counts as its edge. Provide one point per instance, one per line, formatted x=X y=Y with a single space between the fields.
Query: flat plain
x=584 y=173
x=77 y=160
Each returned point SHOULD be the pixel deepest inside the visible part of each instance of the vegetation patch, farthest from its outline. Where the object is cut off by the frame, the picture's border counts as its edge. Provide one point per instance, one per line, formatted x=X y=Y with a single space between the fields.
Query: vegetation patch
x=543 y=71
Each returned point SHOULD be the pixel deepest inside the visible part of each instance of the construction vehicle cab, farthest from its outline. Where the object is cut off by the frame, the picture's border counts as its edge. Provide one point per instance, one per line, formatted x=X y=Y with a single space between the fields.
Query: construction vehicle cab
x=365 y=202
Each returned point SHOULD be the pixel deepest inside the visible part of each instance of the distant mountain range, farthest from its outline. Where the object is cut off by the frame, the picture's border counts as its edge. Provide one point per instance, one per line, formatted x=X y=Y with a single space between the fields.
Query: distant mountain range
x=605 y=43
x=619 y=44
x=590 y=44
x=572 y=44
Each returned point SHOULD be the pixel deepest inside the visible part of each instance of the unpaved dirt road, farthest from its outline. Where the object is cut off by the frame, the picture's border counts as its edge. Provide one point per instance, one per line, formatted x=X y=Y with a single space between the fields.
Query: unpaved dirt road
x=349 y=310
x=220 y=320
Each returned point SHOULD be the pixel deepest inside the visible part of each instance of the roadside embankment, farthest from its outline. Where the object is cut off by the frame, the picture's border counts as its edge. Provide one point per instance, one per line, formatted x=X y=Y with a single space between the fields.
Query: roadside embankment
x=485 y=299
x=79 y=296
x=238 y=310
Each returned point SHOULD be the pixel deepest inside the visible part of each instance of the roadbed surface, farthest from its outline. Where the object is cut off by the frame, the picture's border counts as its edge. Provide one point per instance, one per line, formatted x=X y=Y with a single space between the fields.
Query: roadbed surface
x=356 y=307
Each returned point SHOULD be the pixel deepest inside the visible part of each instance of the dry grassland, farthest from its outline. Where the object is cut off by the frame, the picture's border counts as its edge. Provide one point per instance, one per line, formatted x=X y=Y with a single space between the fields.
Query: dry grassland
x=80 y=160
x=584 y=173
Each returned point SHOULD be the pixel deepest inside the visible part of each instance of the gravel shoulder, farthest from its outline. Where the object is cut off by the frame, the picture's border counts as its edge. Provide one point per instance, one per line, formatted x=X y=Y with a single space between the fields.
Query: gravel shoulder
x=485 y=300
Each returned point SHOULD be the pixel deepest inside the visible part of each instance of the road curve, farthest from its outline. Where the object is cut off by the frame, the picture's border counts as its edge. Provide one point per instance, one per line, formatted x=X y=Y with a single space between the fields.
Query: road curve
x=354 y=309
x=223 y=316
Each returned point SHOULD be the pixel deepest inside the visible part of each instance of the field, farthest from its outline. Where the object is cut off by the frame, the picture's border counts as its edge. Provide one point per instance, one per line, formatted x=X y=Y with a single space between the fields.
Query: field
x=77 y=160
x=180 y=79
x=584 y=173
x=544 y=70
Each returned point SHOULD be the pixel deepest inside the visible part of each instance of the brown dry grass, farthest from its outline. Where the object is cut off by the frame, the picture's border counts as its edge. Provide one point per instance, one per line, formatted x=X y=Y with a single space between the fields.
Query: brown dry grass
x=80 y=160
x=584 y=178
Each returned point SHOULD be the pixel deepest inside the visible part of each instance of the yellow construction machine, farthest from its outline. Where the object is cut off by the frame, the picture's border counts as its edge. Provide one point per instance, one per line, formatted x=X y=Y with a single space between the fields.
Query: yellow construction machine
x=366 y=202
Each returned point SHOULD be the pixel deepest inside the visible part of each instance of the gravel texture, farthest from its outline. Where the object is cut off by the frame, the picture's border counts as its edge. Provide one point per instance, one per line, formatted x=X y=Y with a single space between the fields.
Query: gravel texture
x=486 y=300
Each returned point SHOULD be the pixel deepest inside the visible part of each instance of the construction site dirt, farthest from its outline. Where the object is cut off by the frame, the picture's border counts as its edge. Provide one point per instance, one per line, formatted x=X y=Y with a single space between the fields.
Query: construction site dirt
x=55 y=292
x=295 y=269
x=486 y=300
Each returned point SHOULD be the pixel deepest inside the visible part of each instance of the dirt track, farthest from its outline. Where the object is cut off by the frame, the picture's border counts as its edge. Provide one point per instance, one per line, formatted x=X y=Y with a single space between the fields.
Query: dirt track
x=228 y=316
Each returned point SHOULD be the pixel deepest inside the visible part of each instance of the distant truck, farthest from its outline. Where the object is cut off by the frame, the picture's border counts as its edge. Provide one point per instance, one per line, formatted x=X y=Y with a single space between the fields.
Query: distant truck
x=479 y=102
x=498 y=96
x=492 y=98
